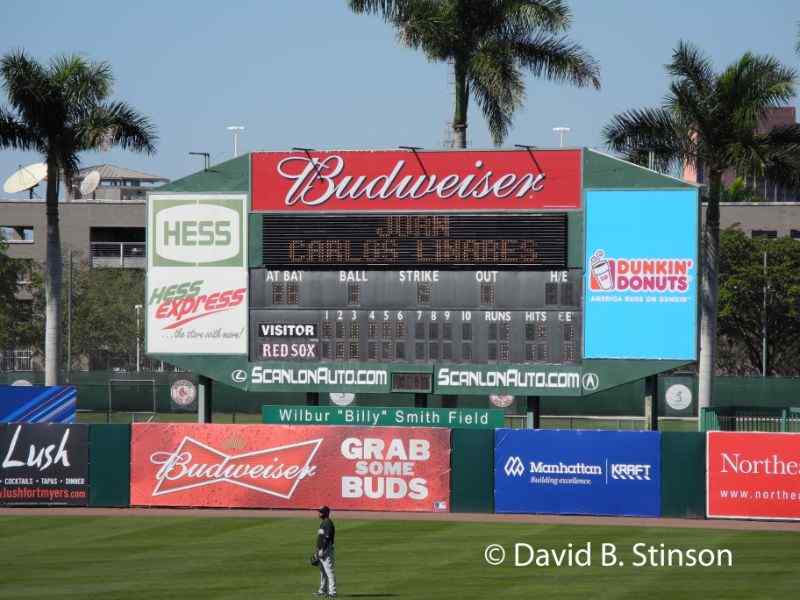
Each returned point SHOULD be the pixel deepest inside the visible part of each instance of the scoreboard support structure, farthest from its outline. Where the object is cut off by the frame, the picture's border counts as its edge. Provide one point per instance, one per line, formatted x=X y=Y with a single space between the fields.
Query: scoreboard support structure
x=552 y=273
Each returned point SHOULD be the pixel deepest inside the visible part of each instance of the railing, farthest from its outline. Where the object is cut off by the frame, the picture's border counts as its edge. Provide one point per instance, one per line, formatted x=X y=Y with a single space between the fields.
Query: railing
x=731 y=418
x=16 y=360
x=613 y=422
x=129 y=255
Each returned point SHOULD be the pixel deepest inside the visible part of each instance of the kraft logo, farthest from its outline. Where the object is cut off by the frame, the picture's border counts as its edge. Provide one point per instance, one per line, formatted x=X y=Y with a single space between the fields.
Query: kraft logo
x=631 y=472
x=239 y=376
x=514 y=467
x=197 y=233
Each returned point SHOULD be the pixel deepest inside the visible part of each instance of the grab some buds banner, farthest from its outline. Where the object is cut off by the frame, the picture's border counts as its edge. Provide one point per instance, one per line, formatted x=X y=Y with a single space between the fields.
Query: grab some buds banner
x=276 y=466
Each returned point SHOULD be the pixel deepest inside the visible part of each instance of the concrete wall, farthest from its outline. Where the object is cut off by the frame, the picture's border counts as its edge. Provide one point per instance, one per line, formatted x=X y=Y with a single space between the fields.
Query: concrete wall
x=76 y=218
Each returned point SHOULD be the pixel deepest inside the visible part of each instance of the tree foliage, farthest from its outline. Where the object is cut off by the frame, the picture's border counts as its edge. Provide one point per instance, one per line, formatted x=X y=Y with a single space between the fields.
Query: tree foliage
x=17 y=327
x=741 y=304
x=491 y=44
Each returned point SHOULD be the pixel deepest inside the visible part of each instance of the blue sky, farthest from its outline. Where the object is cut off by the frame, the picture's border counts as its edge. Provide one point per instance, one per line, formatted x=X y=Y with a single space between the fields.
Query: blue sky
x=311 y=73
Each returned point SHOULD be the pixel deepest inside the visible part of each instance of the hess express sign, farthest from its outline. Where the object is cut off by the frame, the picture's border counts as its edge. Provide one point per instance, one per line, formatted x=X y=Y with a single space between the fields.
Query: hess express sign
x=266 y=466
x=205 y=231
x=358 y=181
x=753 y=475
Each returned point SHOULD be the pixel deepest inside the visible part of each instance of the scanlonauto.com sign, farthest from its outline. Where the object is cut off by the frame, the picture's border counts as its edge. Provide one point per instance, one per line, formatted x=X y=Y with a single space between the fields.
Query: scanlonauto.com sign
x=197 y=274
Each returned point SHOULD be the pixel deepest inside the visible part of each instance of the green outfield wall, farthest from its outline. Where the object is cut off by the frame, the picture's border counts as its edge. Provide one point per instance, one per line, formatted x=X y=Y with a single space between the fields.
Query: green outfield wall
x=472 y=474
x=683 y=474
x=109 y=465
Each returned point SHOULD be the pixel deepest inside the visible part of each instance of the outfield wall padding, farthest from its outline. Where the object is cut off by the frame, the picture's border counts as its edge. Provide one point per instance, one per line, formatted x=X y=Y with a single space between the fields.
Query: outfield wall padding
x=683 y=474
x=109 y=465
x=472 y=471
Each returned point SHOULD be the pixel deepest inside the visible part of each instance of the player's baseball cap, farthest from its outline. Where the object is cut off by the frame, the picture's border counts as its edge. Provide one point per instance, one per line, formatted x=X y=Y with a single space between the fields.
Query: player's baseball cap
x=324 y=511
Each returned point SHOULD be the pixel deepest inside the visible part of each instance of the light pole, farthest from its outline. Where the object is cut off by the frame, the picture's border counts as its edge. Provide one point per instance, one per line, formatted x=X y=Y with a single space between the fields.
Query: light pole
x=138 y=308
x=562 y=132
x=236 y=129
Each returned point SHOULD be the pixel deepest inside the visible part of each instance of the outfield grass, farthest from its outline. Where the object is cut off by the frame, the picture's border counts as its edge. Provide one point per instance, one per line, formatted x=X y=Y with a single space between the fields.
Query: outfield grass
x=140 y=558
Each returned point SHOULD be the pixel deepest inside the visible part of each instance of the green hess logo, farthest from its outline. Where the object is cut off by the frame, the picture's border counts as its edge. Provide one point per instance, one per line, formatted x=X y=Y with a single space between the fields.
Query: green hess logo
x=197 y=232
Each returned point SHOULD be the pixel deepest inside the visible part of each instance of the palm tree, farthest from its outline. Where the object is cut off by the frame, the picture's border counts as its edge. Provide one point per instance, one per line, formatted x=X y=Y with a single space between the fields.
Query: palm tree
x=710 y=120
x=490 y=43
x=60 y=110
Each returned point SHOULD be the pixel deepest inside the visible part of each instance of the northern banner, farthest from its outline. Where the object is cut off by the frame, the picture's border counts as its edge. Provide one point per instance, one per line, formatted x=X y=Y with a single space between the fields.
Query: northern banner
x=577 y=472
x=44 y=464
x=277 y=466
x=753 y=475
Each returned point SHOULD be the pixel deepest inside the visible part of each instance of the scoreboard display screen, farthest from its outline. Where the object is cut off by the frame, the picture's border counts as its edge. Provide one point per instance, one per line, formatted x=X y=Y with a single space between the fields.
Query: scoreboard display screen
x=415 y=316
x=415 y=240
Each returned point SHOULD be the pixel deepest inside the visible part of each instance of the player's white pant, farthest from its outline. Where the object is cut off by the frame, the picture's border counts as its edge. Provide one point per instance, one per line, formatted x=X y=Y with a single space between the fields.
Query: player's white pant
x=327 y=574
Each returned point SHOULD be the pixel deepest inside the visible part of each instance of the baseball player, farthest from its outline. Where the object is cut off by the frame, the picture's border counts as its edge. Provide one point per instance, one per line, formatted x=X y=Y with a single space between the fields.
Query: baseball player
x=325 y=553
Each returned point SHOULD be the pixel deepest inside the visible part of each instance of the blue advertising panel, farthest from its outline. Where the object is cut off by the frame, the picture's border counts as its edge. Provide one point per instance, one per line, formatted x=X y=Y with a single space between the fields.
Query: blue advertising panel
x=641 y=274
x=38 y=404
x=577 y=472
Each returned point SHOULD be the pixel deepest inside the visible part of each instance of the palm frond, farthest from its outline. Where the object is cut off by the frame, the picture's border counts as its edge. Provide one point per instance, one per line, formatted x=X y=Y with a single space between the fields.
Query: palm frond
x=27 y=86
x=558 y=59
x=689 y=63
x=119 y=124
x=517 y=18
x=636 y=133
x=496 y=83
x=14 y=134
x=82 y=82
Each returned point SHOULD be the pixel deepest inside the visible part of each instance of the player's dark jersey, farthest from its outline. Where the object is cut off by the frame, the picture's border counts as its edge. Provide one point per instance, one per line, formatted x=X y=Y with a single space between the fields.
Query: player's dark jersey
x=325 y=535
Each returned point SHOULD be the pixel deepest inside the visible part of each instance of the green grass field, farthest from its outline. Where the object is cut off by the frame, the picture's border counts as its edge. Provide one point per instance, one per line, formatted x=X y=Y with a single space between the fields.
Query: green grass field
x=141 y=557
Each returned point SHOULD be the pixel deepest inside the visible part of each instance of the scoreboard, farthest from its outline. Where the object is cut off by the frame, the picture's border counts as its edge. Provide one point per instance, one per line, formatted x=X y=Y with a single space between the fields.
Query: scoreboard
x=448 y=272
x=415 y=288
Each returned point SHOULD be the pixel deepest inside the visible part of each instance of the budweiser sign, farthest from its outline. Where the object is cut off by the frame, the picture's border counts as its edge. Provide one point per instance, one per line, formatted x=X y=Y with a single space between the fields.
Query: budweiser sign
x=274 y=471
x=416 y=181
x=290 y=466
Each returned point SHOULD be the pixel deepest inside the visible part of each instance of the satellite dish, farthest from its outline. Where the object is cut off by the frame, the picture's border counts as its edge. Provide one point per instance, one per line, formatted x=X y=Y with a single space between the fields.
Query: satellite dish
x=26 y=178
x=90 y=183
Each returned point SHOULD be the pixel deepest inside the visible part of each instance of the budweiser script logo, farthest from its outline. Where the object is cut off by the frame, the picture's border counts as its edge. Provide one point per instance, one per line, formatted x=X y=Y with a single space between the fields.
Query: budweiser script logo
x=317 y=180
x=274 y=471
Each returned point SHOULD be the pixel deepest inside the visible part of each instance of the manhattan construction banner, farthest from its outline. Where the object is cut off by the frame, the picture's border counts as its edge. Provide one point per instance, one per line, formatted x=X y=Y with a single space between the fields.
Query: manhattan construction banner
x=578 y=472
x=753 y=475
x=280 y=466
x=44 y=464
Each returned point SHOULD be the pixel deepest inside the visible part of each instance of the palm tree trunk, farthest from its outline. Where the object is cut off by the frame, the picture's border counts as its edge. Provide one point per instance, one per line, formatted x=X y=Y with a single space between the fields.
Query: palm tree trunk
x=52 y=280
x=709 y=292
x=461 y=104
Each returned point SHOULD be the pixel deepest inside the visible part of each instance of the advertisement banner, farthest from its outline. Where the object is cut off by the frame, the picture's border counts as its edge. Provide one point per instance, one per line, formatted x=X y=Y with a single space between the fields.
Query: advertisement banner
x=197 y=274
x=383 y=416
x=577 y=472
x=398 y=180
x=641 y=274
x=753 y=475
x=44 y=464
x=281 y=466
x=38 y=403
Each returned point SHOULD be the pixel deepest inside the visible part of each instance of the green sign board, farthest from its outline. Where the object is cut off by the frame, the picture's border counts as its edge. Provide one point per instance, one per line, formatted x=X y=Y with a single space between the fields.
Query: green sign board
x=372 y=416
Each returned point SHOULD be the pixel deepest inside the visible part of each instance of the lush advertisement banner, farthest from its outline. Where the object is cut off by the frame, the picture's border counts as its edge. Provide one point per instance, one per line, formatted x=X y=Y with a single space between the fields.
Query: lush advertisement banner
x=44 y=464
x=197 y=274
x=384 y=416
x=753 y=475
x=280 y=466
x=399 y=180
x=577 y=472
x=641 y=274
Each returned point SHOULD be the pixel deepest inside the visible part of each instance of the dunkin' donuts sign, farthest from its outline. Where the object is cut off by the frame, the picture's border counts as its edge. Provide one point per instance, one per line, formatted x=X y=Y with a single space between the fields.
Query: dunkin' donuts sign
x=277 y=466
x=416 y=181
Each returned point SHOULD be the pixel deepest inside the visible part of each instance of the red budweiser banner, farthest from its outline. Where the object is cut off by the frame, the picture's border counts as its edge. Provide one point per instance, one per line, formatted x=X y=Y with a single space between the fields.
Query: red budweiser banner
x=753 y=475
x=280 y=466
x=416 y=181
